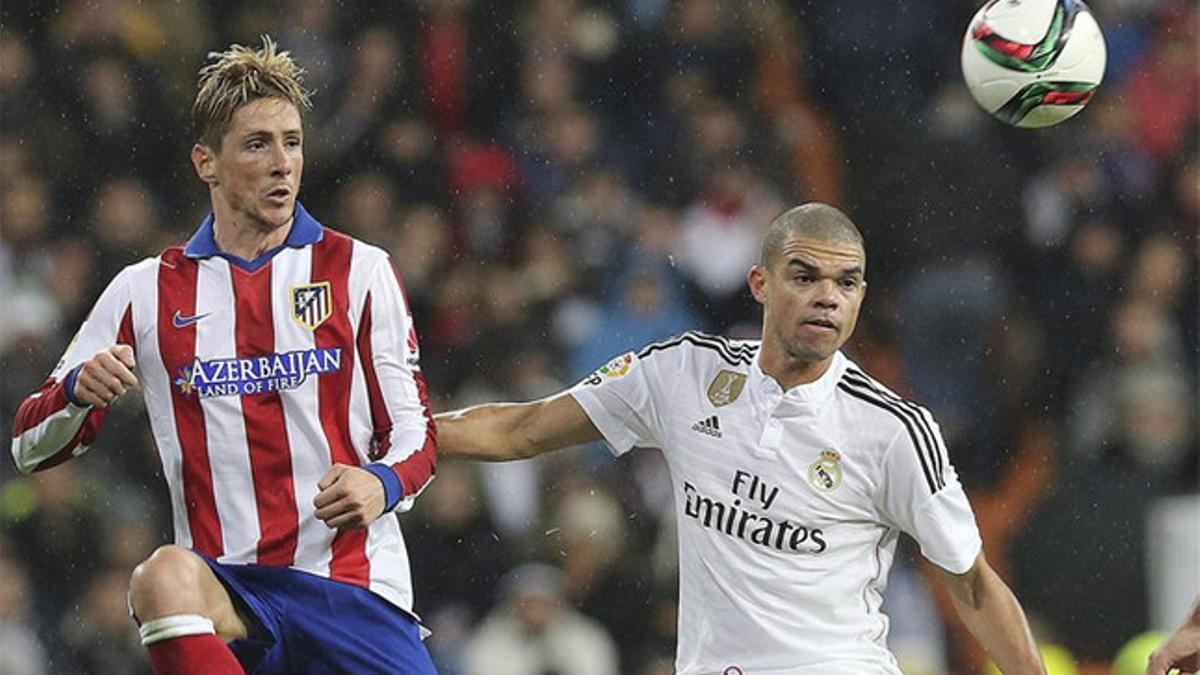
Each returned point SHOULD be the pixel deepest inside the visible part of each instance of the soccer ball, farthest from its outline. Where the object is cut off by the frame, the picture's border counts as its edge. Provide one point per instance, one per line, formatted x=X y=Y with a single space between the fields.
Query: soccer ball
x=1033 y=63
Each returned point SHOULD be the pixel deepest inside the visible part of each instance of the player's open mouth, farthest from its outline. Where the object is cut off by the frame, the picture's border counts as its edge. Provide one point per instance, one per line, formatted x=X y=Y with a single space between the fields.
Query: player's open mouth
x=279 y=193
x=821 y=323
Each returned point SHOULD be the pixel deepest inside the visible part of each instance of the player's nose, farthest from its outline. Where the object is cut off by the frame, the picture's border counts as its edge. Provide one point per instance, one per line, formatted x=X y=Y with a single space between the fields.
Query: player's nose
x=281 y=163
x=826 y=294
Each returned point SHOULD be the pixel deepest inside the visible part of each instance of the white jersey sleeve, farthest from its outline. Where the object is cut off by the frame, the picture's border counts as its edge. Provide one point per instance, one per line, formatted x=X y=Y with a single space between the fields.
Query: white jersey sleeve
x=622 y=399
x=921 y=495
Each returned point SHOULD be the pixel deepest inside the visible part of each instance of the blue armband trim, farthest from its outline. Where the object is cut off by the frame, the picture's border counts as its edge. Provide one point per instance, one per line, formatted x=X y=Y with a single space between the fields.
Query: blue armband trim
x=393 y=490
x=69 y=386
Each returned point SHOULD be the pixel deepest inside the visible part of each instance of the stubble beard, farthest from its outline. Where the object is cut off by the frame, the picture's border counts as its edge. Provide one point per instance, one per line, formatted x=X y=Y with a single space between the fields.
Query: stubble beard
x=799 y=352
x=261 y=216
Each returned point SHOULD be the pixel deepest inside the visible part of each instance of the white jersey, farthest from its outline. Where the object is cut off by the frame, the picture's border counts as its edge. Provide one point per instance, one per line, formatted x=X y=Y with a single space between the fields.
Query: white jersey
x=789 y=504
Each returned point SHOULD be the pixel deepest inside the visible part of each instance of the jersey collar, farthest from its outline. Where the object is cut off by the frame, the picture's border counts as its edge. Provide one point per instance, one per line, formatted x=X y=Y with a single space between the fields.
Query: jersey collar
x=305 y=232
x=810 y=393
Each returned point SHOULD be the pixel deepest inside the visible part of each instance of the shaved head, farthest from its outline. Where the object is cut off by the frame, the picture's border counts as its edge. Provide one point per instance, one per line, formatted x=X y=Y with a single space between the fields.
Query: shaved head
x=816 y=221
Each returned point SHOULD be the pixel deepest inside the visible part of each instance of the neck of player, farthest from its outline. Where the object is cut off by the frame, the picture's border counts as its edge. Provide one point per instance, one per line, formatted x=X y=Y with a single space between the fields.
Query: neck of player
x=249 y=240
x=789 y=370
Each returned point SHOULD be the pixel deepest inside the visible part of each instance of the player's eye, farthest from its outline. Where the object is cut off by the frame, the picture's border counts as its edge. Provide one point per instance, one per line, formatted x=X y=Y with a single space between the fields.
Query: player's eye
x=849 y=283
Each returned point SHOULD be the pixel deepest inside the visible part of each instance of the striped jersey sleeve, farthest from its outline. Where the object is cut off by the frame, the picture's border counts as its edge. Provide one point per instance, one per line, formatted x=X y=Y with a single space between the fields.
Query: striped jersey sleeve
x=404 y=436
x=51 y=427
x=918 y=489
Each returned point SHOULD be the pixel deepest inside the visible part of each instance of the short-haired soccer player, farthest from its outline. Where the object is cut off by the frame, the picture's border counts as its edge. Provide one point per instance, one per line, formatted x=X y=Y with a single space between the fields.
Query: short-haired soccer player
x=794 y=473
x=278 y=364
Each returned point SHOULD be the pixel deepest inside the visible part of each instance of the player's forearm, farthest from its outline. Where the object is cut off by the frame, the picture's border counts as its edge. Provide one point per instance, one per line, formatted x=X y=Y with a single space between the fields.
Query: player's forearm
x=501 y=431
x=47 y=429
x=993 y=615
x=490 y=433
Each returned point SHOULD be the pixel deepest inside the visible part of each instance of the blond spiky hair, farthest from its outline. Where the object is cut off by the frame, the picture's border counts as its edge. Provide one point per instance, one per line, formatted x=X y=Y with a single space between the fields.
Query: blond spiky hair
x=240 y=75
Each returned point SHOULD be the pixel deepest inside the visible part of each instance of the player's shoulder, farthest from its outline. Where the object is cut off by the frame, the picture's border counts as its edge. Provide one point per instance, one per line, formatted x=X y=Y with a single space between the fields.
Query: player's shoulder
x=363 y=250
x=146 y=270
x=364 y=258
x=145 y=264
x=682 y=359
x=699 y=347
x=880 y=409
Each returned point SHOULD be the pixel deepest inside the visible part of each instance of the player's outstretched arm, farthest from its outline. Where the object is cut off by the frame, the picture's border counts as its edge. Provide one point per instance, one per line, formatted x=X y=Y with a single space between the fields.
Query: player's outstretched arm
x=497 y=432
x=1181 y=649
x=993 y=615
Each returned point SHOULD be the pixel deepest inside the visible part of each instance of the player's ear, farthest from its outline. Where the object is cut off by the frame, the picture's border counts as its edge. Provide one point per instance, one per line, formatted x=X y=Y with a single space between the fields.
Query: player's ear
x=756 y=278
x=204 y=161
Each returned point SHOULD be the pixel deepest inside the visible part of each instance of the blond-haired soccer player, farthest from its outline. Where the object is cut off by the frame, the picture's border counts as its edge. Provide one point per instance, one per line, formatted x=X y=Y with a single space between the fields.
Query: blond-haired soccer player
x=794 y=473
x=278 y=364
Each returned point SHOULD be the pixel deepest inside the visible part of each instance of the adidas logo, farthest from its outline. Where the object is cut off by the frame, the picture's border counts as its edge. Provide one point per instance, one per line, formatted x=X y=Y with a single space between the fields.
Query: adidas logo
x=709 y=425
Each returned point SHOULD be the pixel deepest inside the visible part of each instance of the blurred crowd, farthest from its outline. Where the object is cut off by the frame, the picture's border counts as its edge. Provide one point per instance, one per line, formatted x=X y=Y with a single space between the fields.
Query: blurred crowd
x=560 y=181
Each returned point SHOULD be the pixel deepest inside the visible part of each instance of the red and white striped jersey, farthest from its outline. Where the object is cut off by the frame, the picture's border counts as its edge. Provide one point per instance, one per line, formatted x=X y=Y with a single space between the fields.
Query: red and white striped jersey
x=257 y=377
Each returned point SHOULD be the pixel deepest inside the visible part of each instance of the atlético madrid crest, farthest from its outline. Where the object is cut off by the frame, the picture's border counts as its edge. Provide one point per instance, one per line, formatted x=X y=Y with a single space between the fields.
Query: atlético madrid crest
x=312 y=304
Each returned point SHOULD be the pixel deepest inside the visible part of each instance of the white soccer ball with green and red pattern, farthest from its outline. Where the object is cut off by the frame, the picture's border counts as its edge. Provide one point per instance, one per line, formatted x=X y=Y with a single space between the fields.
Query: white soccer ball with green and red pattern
x=1033 y=63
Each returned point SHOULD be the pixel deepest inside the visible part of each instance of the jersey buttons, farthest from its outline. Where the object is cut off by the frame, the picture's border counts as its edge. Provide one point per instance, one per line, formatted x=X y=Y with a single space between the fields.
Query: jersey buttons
x=772 y=434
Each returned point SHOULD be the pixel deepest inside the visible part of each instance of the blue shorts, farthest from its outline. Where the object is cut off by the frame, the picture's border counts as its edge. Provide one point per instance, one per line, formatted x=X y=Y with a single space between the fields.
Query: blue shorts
x=303 y=623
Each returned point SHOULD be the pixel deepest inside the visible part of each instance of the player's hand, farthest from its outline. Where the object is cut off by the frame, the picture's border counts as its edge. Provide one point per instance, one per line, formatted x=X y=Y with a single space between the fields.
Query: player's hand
x=349 y=497
x=106 y=376
x=1180 y=650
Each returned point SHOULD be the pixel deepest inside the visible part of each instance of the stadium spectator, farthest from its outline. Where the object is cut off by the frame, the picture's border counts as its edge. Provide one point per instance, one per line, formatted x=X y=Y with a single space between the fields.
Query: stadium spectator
x=1166 y=73
x=123 y=217
x=590 y=535
x=730 y=209
x=534 y=631
x=377 y=82
x=21 y=651
x=456 y=560
x=368 y=205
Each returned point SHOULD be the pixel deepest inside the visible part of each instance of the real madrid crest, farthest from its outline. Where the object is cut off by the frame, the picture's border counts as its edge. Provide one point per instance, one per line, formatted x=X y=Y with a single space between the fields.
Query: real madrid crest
x=726 y=387
x=825 y=474
x=312 y=304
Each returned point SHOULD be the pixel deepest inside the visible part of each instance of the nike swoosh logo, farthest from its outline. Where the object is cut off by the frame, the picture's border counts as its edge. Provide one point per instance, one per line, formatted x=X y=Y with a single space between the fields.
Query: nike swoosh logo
x=181 y=321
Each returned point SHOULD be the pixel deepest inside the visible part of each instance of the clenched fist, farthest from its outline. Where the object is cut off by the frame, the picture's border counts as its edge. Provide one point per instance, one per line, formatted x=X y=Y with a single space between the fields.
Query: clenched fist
x=349 y=497
x=106 y=376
